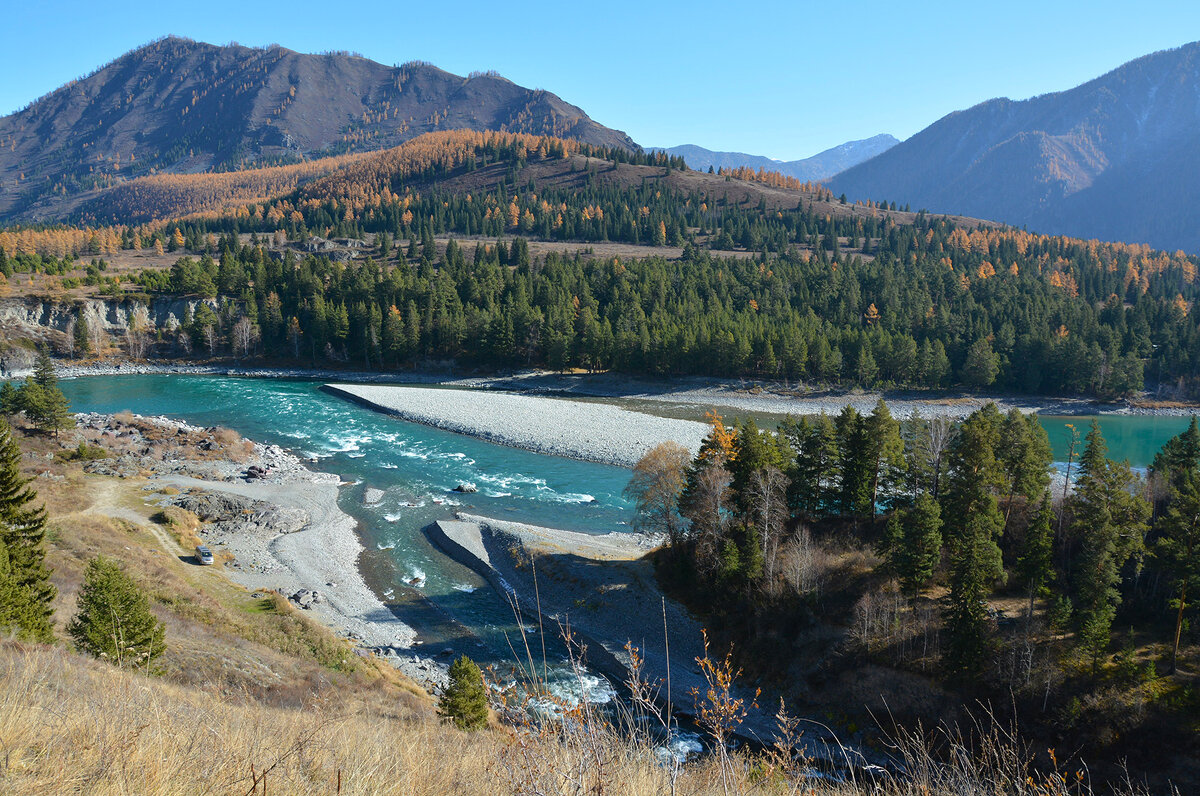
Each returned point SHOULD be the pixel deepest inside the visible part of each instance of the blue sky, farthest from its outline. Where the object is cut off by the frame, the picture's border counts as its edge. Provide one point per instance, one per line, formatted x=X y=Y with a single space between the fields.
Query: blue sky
x=784 y=80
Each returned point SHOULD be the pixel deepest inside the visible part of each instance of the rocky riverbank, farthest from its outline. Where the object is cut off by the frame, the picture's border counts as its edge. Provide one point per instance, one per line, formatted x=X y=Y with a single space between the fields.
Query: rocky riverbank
x=590 y=431
x=603 y=589
x=275 y=523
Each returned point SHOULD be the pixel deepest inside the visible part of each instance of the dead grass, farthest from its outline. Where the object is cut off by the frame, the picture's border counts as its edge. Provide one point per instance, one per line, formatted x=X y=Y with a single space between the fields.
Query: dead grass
x=232 y=445
x=182 y=523
x=73 y=725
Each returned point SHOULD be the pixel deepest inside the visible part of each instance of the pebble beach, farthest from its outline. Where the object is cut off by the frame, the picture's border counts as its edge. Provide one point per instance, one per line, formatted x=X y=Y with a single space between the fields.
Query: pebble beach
x=590 y=431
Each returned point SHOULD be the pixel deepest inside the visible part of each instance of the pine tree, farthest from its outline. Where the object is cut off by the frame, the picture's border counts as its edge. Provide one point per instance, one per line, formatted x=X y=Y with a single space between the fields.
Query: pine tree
x=1024 y=450
x=114 y=620
x=465 y=699
x=1178 y=549
x=980 y=369
x=1111 y=522
x=1035 y=567
x=26 y=593
x=42 y=400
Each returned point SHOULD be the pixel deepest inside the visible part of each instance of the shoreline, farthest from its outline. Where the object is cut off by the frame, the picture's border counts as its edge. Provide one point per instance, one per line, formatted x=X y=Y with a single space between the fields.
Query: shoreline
x=595 y=432
x=286 y=533
x=603 y=589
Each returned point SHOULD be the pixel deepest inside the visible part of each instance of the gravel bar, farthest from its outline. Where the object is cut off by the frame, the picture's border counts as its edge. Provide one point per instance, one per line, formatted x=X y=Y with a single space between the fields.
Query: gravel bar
x=578 y=430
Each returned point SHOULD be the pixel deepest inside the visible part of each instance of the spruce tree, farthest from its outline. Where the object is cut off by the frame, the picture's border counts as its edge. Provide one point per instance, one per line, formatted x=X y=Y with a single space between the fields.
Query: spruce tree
x=854 y=463
x=26 y=594
x=10 y=399
x=814 y=470
x=973 y=525
x=921 y=545
x=1111 y=522
x=1035 y=567
x=1178 y=549
x=42 y=400
x=114 y=620
x=885 y=457
x=83 y=337
x=465 y=699
x=974 y=566
x=1180 y=455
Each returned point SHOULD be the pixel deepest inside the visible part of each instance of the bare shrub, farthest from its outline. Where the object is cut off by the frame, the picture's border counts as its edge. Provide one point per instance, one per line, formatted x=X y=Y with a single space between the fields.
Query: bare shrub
x=804 y=564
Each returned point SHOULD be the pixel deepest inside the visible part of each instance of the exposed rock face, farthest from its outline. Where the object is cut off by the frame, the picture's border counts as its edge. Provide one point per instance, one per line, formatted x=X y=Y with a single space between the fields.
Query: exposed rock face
x=231 y=514
x=35 y=317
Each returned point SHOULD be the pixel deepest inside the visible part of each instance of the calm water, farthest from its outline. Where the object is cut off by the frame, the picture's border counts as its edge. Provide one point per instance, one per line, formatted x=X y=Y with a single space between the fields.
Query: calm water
x=1133 y=437
x=415 y=467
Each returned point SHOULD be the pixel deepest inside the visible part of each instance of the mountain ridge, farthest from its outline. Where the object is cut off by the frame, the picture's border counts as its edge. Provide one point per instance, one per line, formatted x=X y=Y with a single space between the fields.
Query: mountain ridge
x=1106 y=159
x=181 y=106
x=814 y=168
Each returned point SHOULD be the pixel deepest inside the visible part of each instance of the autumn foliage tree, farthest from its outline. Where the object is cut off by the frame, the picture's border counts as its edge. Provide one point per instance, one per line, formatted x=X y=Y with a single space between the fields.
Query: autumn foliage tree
x=658 y=480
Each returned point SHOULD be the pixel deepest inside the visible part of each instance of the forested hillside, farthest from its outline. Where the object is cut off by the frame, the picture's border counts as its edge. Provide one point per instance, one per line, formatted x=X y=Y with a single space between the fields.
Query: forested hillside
x=772 y=280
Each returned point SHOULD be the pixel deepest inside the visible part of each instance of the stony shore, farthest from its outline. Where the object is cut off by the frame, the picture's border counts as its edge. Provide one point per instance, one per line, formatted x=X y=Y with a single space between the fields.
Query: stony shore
x=591 y=431
x=283 y=531
x=602 y=587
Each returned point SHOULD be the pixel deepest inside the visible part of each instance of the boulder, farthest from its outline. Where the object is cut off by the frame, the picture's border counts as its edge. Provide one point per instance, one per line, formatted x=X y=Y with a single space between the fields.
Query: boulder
x=306 y=598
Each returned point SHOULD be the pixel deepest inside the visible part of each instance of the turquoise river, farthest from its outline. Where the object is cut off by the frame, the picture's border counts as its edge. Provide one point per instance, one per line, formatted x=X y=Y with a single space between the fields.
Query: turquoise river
x=417 y=468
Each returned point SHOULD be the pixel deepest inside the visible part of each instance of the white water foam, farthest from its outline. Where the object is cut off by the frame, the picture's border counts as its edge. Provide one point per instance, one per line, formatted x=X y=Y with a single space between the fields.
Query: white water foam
x=680 y=747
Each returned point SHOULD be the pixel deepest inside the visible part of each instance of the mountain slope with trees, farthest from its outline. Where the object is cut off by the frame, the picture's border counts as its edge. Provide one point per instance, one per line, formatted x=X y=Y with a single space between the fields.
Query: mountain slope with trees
x=180 y=106
x=1111 y=159
x=739 y=277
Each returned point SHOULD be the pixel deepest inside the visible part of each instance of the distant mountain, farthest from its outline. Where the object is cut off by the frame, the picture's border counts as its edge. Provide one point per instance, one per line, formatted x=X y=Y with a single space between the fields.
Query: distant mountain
x=819 y=167
x=1116 y=158
x=182 y=106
